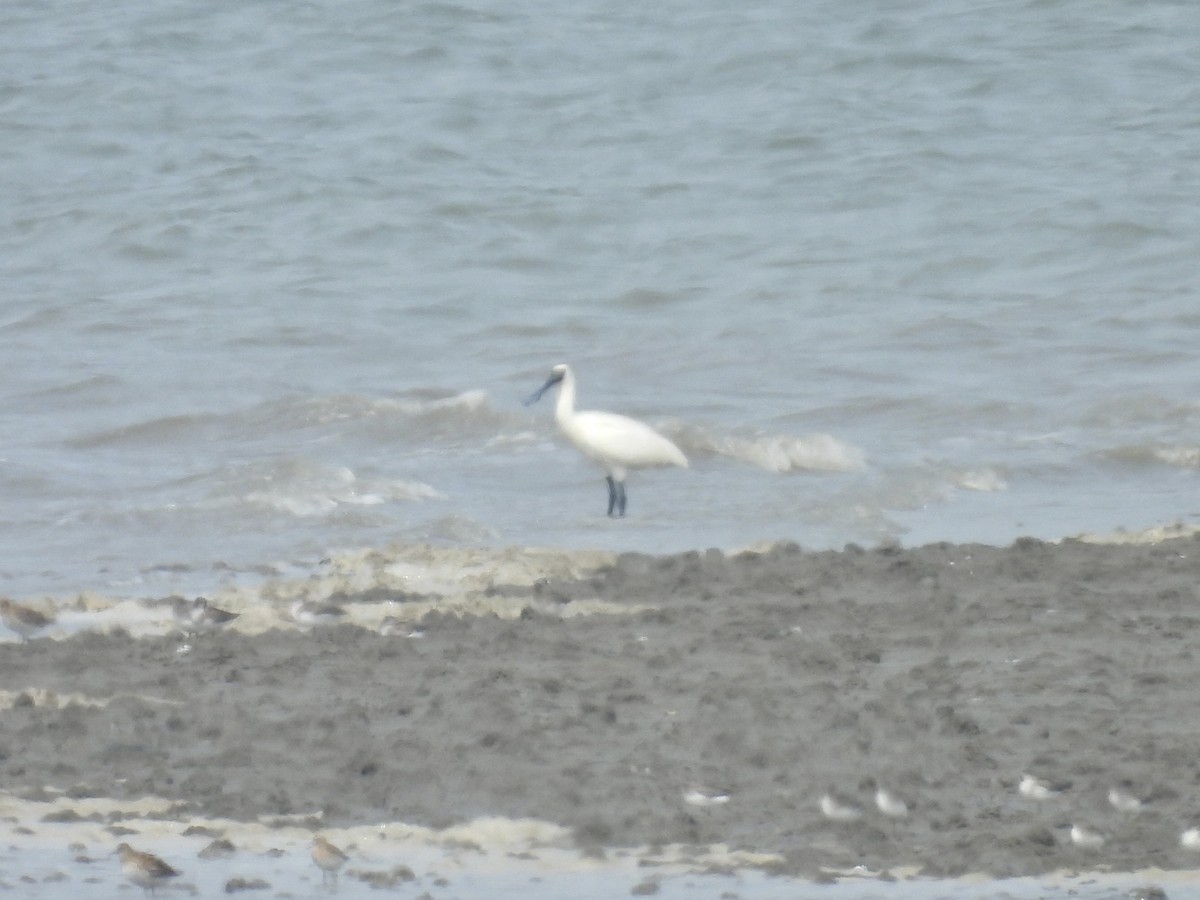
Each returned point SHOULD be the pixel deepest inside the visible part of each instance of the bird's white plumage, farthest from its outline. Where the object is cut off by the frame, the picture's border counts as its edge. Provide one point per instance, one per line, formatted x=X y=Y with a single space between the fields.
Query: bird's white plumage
x=1039 y=788
x=618 y=443
x=889 y=804
x=1123 y=800
x=1087 y=838
x=839 y=809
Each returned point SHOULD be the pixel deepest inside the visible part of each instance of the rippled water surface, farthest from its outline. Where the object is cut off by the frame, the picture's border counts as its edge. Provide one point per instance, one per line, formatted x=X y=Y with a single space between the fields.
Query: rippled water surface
x=276 y=279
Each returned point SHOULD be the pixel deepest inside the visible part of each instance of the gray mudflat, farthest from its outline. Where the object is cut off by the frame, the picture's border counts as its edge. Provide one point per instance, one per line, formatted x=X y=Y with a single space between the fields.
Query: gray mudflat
x=945 y=672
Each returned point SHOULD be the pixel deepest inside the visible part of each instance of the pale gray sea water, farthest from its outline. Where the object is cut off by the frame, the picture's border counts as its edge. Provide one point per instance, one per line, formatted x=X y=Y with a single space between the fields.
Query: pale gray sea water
x=277 y=276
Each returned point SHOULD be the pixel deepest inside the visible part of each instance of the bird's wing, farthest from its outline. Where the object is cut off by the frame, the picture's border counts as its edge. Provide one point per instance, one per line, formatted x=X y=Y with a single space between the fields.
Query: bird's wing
x=158 y=868
x=608 y=437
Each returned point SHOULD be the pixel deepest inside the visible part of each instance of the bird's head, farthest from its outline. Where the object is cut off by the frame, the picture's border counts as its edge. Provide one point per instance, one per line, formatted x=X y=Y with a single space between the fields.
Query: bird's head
x=557 y=374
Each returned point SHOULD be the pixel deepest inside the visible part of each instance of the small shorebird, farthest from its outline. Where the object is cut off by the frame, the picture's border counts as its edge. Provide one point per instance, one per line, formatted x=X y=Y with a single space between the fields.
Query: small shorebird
x=199 y=615
x=184 y=611
x=889 y=804
x=394 y=625
x=616 y=443
x=211 y=618
x=705 y=796
x=1039 y=788
x=839 y=808
x=23 y=620
x=315 y=612
x=1122 y=798
x=328 y=858
x=145 y=870
x=1087 y=838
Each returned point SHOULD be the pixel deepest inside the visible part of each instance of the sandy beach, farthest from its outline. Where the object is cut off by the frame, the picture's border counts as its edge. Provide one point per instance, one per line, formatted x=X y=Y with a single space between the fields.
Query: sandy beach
x=735 y=692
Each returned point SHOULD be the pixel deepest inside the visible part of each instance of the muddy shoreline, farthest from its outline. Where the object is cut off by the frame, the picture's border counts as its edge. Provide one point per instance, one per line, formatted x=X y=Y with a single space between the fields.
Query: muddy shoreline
x=941 y=672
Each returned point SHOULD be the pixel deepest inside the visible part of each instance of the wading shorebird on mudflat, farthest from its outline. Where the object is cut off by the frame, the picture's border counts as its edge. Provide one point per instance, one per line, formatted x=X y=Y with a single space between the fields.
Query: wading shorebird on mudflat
x=328 y=859
x=618 y=444
x=145 y=870
x=23 y=620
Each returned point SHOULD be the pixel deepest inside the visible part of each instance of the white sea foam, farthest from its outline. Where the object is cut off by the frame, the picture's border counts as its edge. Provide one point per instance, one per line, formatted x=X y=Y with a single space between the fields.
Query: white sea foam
x=301 y=488
x=983 y=479
x=426 y=578
x=464 y=413
x=925 y=484
x=377 y=588
x=1179 y=456
x=1151 y=535
x=776 y=453
x=322 y=493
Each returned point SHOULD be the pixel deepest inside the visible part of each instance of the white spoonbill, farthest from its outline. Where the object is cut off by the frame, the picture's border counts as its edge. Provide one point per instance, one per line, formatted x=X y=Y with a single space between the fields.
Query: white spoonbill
x=616 y=443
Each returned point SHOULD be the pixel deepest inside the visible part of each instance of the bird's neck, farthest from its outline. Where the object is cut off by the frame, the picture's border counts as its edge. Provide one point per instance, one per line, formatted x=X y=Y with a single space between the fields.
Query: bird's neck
x=564 y=407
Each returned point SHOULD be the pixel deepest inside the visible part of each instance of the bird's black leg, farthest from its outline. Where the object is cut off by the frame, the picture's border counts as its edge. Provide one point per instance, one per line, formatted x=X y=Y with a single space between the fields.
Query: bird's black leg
x=612 y=493
x=621 y=498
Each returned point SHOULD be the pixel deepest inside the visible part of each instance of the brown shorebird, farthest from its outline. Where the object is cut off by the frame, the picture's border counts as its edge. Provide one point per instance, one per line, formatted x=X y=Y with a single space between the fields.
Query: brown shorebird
x=198 y=615
x=22 y=619
x=328 y=858
x=145 y=870
x=212 y=618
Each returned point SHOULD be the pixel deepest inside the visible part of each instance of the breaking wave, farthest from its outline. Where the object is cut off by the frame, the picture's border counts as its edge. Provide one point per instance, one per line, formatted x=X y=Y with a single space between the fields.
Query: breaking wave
x=774 y=452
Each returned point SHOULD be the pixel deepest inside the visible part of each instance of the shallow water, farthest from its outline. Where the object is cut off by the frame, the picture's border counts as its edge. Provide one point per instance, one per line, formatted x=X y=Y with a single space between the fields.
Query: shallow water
x=60 y=862
x=276 y=285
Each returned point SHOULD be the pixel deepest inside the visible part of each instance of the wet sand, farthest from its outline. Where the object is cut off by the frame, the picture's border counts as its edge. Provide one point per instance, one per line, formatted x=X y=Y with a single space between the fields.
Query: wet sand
x=942 y=672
